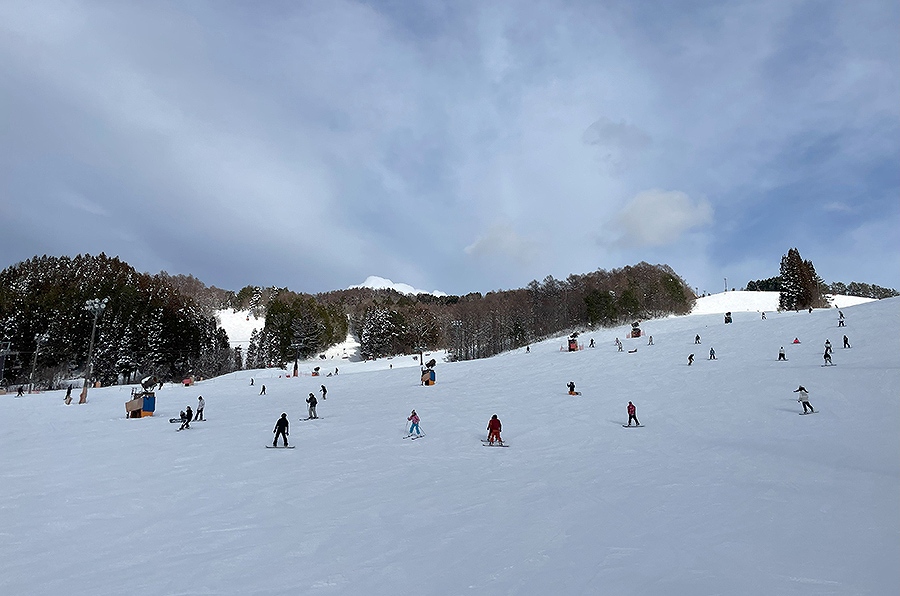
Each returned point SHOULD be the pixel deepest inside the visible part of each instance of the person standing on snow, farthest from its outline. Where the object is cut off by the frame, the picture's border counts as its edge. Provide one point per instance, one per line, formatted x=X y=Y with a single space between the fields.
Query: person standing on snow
x=804 y=398
x=201 y=403
x=697 y=339
x=650 y=343
x=846 y=342
x=618 y=344
x=324 y=391
x=188 y=416
x=494 y=427
x=690 y=359
x=592 y=343
x=712 y=354
x=840 y=319
x=311 y=400
x=827 y=357
x=263 y=390
x=281 y=429
x=632 y=414
x=828 y=346
x=414 y=418
x=781 y=355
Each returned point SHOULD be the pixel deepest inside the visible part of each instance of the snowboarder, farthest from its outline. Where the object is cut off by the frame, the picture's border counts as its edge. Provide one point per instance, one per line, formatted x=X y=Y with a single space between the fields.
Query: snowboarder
x=846 y=342
x=690 y=359
x=414 y=418
x=201 y=403
x=528 y=349
x=335 y=371
x=571 y=387
x=697 y=339
x=618 y=344
x=828 y=346
x=324 y=391
x=712 y=354
x=21 y=391
x=650 y=343
x=186 y=419
x=763 y=315
x=804 y=398
x=68 y=399
x=632 y=414
x=827 y=357
x=311 y=400
x=781 y=355
x=251 y=381
x=281 y=429
x=263 y=390
x=796 y=340
x=840 y=319
x=494 y=427
x=591 y=345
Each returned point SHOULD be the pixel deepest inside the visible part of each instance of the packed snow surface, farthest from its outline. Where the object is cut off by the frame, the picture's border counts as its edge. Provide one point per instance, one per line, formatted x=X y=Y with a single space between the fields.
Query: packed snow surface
x=725 y=490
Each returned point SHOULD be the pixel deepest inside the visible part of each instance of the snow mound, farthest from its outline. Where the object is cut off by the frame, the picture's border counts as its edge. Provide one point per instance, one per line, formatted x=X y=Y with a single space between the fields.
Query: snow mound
x=743 y=301
x=381 y=283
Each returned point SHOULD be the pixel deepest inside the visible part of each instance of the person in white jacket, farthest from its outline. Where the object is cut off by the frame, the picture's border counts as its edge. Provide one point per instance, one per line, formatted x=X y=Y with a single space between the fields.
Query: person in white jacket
x=804 y=399
x=201 y=403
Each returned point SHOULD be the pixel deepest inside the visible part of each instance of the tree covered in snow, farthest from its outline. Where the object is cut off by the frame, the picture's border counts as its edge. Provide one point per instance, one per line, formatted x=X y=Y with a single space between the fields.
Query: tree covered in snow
x=801 y=287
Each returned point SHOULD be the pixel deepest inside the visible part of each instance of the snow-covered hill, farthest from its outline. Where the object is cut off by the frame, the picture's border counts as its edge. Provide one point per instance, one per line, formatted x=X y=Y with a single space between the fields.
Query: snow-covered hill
x=726 y=490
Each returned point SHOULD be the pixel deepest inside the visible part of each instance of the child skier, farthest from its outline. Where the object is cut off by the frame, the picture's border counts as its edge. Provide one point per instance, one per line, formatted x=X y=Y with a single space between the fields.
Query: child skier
x=494 y=427
x=804 y=398
x=311 y=400
x=281 y=429
x=632 y=414
x=414 y=418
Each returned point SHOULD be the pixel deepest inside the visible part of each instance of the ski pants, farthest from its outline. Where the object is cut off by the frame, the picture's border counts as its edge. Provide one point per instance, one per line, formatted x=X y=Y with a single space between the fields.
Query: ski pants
x=312 y=412
x=199 y=415
x=414 y=425
x=806 y=404
x=281 y=434
x=494 y=435
x=781 y=357
x=633 y=417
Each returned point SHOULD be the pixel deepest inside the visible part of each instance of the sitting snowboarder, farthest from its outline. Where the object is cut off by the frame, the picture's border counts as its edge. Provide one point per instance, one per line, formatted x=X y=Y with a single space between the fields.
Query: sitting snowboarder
x=571 y=387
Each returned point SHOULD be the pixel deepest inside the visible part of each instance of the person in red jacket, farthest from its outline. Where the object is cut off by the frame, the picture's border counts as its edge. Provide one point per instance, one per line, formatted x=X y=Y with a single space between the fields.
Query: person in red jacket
x=632 y=414
x=494 y=428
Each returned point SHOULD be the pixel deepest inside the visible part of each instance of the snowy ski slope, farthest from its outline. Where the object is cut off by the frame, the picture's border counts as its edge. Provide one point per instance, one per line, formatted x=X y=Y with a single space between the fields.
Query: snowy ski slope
x=726 y=490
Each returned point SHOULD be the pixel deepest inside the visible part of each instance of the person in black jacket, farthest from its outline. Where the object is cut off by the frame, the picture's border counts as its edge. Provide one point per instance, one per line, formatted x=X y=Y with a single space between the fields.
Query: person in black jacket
x=311 y=400
x=324 y=391
x=281 y=429
x=188 y=416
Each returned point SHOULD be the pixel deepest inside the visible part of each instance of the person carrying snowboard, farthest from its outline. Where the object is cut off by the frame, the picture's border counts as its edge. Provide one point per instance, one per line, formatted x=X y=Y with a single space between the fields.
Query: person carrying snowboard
x=281 y=429
x=632 y=414
x=414 y=418
x=804 y=398
x=201 y=403
x=186 y=419
x=494 y=427
x=311 y=400
x=781 y=355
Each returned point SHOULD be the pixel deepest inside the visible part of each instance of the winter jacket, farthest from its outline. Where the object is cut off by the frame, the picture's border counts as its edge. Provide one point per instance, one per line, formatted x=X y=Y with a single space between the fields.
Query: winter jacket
x=201 y=403
x=631 y=409
x=804 y=395
x=312 y=401
x=494 y=424
x=281 y=425
x=189 y=414
x=414 y=418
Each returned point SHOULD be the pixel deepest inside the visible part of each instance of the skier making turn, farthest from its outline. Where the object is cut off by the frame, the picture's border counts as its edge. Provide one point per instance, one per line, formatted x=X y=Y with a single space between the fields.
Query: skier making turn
x=804 y=399
x=494 y=427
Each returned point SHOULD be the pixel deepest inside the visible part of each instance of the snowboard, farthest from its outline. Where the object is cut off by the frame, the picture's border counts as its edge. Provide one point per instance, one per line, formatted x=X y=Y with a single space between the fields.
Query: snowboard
x=276 y=447
x=633 y=426
x=304 y=419
x=805 y=413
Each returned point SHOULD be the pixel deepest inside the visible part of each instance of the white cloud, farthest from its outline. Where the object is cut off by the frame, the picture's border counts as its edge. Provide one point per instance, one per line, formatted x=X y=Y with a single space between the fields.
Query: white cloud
x=659 y=217
x=502 y=241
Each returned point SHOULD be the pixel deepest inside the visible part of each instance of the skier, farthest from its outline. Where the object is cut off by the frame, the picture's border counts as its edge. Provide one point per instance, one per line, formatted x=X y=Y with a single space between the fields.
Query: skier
x=251 y=381
x=827 y=357
x=21 y=391
x=650 y=343
x=311 y=400
x=263 y=390
x=763 y=315
x=804 y=398
x=324 y=391
x=571 y=387
x=186 y=419
x=840 y=319
x=828 y=346
x=591 y=345
x=335 y=371
x=712 y=354
x=281 y=429
x=494 y=427
x=618 y=344
x=632 y=414
x=68 y=399
x=528 y=349
x=690 y=359
x=781 y=355
x=201 y=403
x=414 y=418
x=697 y=339
x=846 y=342
x=796 y=340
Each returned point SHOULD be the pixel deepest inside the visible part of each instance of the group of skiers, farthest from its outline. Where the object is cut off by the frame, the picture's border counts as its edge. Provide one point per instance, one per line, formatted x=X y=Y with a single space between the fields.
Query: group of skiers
x=188 y=415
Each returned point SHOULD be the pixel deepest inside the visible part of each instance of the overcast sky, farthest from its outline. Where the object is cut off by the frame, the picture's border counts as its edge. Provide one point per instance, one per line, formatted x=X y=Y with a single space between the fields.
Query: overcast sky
x=455 y=146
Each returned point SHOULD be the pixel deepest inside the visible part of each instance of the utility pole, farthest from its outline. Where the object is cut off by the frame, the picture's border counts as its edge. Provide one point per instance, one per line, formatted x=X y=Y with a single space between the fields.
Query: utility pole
x=38 y=340
x=94 y=306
